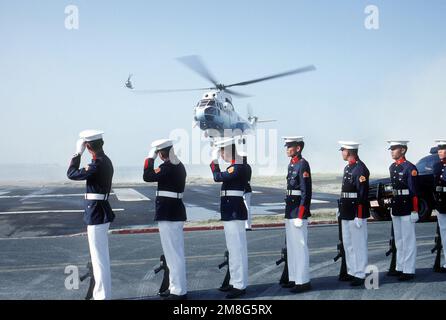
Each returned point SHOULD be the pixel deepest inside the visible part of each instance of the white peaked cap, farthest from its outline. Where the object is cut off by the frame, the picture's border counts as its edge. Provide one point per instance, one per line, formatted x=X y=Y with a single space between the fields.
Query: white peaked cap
x=349 y=145
x=440 y=142
x=162 y=144
x=291 y=139
x=397 y=143
x=91 y=135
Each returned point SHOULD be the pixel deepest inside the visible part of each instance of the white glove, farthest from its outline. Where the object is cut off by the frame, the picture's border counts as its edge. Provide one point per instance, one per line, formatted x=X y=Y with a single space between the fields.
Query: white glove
x=358 y=223
x=414 y=217
x=152 y=154
x=298 y=223
x=80 y=146
x=435 y=212
x=215 y=154
x=337 y=214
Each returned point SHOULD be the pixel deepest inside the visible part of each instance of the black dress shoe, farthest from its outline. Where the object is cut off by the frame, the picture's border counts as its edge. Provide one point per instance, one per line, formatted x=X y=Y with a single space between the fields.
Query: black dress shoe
x=346 y=278
x=176 y=297
x=406 y=277
x=164 y=293
x=299 y=288
x=290 y=284
x=440 y=270
x=394 y=273
x=226 y=288
x=248 y=229
x=357 y=282
x=235 y=293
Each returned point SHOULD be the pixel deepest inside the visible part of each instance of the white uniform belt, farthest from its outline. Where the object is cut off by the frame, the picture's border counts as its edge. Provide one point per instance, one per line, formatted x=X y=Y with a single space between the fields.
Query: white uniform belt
x=293 y=193
x=169 y=194
x=231 y=193
x=96 y=196
x=440 y=189
x=402 y=192
x=349 y=195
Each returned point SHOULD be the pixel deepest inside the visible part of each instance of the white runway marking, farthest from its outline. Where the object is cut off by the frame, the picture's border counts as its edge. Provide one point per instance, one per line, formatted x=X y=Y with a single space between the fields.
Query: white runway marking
x=48 y=211
x=3 y=192
x=129 y=194
x=256 y=192
x=45 y=196
x=272 y=203
x=319 y=201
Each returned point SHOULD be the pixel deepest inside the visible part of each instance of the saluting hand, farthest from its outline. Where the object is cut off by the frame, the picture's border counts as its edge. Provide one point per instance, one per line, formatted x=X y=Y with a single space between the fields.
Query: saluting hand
x=80 y=146
x=152 y=154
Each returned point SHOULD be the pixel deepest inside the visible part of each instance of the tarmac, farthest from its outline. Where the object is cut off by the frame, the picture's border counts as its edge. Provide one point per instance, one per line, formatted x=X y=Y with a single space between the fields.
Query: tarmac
x=38 y=268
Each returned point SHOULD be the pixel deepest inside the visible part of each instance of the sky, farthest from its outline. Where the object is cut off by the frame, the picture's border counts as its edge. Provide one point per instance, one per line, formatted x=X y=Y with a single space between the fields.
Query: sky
x=369 y=86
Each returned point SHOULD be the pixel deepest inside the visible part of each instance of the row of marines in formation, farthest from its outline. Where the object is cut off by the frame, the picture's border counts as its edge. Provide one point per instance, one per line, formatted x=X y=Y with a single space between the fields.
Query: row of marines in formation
x=353 y=211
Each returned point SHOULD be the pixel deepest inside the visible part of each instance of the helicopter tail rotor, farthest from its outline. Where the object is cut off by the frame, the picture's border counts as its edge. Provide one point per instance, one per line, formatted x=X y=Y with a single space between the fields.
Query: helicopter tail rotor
x=254 y=120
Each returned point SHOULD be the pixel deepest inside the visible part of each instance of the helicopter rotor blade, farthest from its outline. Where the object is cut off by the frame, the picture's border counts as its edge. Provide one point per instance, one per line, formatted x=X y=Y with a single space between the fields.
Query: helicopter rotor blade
x=274 y=76
x=196 y=64
x=236 y=93
x=169 y=90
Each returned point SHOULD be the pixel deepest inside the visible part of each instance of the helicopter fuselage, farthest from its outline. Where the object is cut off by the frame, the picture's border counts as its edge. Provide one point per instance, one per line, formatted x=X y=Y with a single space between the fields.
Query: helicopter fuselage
x=214 y=113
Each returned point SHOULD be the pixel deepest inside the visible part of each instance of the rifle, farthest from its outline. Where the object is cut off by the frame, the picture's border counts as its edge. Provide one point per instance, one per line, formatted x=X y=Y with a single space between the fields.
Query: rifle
x=163 y=266
x=90 y=275
x=284 y=279
x=392 y=250
x=225 y=285
x=343 y=275
x=438 y=247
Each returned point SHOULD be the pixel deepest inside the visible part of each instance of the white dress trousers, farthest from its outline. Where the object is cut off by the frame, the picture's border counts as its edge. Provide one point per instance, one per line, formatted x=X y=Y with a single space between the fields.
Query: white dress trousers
x=172 y=241
x=355 y=247
x=100 y=260
x=298 y=257
x=406 y=243
x=235 y=234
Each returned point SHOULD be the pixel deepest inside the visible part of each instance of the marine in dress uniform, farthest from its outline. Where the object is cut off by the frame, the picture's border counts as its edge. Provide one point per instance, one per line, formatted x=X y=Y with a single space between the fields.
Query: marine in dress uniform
x=98 y=214
x=354 y=211
x=170 y=212
x=297 y=211
x=404 y=209
x=233 y=212
x=439 y=171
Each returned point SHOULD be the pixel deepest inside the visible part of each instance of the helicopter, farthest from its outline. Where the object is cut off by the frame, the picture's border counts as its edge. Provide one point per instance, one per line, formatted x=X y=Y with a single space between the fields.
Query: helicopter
x=215 y=113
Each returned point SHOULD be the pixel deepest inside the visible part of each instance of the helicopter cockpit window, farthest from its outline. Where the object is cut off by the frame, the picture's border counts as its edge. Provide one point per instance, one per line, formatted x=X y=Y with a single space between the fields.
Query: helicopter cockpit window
x=207 y=102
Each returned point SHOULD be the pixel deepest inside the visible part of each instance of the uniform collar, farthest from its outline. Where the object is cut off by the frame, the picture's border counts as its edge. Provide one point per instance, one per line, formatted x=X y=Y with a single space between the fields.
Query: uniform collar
x=295 y=159
x=98 y=154
x=443 y=161
x=400 y=160
x=353 y=161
